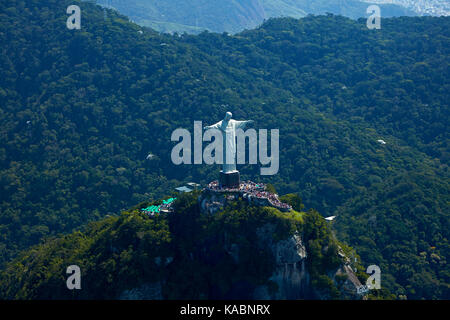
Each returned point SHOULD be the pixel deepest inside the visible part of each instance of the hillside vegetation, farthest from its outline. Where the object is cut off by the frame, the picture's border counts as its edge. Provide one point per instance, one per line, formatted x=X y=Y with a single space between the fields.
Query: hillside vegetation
x=81 y=110
x=186 y=253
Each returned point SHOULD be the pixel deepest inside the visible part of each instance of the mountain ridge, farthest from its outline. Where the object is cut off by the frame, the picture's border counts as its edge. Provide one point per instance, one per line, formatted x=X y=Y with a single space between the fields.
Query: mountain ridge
x=236 y=15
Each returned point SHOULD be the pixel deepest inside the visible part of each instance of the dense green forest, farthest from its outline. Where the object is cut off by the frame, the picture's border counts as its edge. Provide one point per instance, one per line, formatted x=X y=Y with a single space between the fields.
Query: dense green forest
x=81 y=109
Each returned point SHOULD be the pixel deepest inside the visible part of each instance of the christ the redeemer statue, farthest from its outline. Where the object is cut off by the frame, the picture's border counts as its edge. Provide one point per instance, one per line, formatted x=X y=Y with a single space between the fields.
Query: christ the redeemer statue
x=229 y=176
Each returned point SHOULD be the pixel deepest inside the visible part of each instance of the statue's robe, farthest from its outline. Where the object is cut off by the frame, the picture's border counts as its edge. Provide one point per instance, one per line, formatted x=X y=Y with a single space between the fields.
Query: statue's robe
x=228 y=129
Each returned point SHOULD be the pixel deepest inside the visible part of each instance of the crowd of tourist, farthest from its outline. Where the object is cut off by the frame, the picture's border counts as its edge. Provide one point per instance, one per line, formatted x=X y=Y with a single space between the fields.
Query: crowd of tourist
x=250 y=186
x=251 y=189
x=272 y=198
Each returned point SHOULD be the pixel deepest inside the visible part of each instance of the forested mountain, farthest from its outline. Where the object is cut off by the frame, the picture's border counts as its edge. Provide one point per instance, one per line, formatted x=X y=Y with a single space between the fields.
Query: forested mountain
x=234 y=15
x=81 y=109
x=243 y=252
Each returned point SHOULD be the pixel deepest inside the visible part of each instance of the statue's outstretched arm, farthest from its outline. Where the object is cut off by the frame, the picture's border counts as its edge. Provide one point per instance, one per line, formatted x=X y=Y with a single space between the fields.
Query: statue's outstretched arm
x=214 y=126
x=242 y=124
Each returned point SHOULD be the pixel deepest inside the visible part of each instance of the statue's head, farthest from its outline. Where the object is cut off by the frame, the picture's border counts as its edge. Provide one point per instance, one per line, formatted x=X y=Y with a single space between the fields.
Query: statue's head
x=228 y=116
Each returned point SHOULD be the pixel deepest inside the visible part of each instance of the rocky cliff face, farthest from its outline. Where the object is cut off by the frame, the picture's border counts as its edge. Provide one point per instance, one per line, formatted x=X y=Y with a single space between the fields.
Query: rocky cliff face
x=291 y=276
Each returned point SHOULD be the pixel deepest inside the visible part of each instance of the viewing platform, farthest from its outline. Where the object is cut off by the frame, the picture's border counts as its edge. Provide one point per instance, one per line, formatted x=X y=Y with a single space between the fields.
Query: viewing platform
x=252 y=192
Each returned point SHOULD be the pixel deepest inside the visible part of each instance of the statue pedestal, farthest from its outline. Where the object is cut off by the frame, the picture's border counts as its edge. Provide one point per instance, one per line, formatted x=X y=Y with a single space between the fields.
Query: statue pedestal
x=229 y=179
